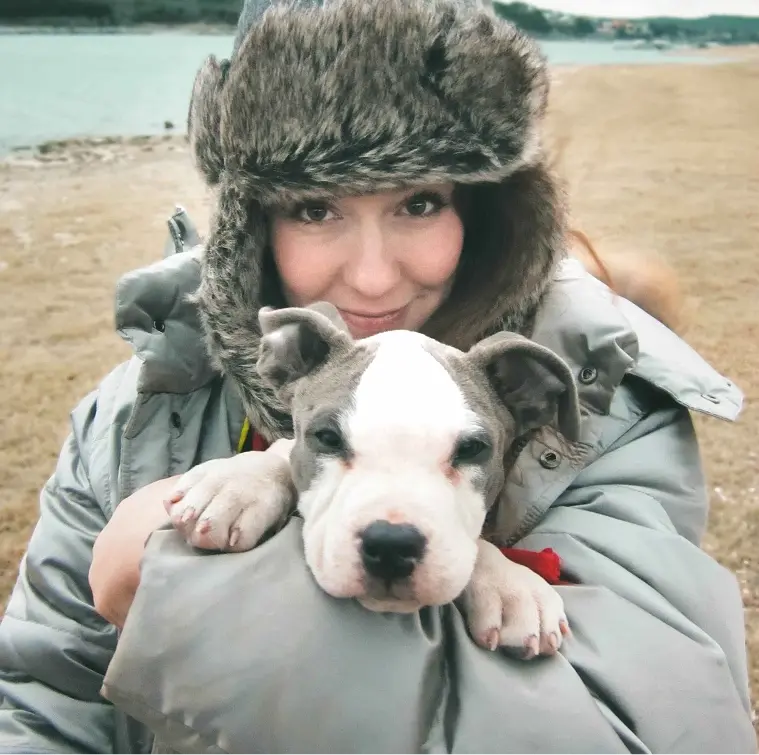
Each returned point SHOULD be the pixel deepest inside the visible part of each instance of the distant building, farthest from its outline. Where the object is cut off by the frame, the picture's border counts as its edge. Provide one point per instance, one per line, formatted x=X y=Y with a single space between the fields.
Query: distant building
x=622 y=27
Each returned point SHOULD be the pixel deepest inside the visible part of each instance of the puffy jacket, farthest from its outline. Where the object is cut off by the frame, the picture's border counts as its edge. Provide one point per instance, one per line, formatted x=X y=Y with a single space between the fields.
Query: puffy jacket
x=243 y=653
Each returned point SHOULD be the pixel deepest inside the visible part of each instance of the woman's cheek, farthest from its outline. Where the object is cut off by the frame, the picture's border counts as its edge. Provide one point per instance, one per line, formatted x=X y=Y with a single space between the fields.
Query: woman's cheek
x=306 y=268
x=434 y=256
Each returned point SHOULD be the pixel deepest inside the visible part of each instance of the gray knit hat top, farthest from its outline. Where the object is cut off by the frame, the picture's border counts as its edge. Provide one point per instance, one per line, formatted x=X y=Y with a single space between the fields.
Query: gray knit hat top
x=351 y=97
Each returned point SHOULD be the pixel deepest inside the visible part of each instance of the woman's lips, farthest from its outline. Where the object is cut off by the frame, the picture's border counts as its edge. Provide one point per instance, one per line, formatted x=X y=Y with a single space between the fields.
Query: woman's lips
x=363 y=324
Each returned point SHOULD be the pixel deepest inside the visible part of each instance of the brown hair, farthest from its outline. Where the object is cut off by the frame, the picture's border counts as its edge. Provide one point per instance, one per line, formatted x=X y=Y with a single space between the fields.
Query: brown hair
x=498 y=283
x=642 y=277
x=497 y=218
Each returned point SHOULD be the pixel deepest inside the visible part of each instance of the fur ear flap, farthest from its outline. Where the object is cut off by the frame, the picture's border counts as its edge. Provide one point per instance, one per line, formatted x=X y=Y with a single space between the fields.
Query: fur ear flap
x=204 y=118
x=533 y=383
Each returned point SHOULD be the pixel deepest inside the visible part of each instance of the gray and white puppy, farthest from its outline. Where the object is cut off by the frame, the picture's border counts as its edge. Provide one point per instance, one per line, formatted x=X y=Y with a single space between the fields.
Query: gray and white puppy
x=397 y=457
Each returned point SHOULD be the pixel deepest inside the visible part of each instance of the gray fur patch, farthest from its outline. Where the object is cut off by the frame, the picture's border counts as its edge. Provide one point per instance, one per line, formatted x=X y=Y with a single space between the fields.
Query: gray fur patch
x=326 y=393
x=483 y=401
x=545 y=392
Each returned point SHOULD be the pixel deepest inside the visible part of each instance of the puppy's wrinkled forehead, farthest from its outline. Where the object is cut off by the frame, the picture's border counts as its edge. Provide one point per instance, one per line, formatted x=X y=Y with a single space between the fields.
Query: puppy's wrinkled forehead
x=394 y=388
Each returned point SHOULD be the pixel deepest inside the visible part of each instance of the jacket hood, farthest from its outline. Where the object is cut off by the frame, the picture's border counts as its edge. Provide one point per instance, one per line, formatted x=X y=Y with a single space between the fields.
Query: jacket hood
x=352 y=97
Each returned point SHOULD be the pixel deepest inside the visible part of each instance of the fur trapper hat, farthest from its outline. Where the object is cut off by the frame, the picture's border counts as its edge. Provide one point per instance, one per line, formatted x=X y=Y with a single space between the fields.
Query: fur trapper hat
x=349 y=97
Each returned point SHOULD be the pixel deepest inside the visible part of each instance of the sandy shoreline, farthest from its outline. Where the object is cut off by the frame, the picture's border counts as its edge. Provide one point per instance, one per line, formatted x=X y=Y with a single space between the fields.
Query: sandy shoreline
x=735 y=52
x=94 y=149
x=657 y=158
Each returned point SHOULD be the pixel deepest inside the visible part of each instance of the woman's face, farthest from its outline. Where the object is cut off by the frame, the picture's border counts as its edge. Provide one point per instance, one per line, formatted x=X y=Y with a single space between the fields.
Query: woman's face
x=386 y=261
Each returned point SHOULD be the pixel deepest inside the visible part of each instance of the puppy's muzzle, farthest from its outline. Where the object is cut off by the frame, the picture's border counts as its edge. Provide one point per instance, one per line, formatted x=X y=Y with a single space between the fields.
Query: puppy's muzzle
x=391 y=552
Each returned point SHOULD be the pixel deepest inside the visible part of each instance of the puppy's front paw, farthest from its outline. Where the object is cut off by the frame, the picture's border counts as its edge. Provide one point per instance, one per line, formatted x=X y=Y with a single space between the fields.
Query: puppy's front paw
x=508 y=605
x=229 y=504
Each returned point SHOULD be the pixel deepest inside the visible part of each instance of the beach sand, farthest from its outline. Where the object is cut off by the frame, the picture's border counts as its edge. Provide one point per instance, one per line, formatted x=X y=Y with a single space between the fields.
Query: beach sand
x=661 y=159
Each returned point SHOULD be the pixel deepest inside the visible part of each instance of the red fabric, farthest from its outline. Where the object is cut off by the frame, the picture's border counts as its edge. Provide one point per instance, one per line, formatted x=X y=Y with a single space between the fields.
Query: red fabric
x=258 y=442
x=254 y=442
x=546 y=563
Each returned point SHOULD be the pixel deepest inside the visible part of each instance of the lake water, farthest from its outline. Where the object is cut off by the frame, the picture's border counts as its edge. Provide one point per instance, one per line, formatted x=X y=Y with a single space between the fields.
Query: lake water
x=56 y=86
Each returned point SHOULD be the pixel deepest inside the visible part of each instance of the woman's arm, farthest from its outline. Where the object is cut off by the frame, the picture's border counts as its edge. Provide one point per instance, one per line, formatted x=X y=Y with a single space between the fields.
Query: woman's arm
x=656 y=661
x=115 y=571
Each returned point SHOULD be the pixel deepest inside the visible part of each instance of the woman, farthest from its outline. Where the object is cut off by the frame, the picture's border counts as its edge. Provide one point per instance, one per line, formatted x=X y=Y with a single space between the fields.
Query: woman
x=384 y=157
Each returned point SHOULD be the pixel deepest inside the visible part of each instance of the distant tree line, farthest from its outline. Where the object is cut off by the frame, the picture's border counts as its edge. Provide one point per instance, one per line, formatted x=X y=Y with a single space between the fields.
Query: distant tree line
x=118 y=12
x=532 y=20
x=542 y=24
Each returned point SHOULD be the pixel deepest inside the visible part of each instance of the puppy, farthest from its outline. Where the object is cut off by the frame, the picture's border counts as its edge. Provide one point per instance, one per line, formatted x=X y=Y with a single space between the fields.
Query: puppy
x=397 y=458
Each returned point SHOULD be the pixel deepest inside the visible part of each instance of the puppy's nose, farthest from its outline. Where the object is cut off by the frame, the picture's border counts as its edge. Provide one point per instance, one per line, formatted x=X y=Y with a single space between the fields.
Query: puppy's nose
x=391 y=551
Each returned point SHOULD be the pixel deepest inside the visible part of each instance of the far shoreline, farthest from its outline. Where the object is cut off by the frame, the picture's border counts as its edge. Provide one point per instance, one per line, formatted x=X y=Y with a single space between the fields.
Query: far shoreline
x=209 y=28
x=203 y=28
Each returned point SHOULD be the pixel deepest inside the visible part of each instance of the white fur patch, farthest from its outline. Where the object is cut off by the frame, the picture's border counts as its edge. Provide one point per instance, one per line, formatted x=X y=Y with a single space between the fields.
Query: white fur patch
x=406 y=403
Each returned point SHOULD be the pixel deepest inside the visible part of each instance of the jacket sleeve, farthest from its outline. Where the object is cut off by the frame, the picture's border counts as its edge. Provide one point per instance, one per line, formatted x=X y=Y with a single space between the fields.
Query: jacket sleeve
x=265 y=662
x=54 y=648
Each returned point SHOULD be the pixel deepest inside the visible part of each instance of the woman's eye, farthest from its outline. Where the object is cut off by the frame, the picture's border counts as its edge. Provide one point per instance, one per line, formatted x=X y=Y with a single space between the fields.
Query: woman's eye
x=313 y=213
x=423 y=205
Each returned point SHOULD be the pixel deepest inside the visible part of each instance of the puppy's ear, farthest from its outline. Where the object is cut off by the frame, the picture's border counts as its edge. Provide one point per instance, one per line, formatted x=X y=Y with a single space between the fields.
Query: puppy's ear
x=297 y=340
x=533 y=383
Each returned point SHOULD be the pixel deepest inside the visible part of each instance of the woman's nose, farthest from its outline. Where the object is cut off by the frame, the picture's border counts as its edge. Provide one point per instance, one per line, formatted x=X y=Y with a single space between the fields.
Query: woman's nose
x=372 y=269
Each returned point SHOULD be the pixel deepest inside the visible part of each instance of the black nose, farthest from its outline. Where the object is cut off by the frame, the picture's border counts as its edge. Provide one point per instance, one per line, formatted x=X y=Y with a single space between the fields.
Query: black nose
x=391 y=551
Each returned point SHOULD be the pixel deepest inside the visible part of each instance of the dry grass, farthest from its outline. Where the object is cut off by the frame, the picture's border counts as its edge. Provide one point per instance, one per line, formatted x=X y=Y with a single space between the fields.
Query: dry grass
x=658 y=158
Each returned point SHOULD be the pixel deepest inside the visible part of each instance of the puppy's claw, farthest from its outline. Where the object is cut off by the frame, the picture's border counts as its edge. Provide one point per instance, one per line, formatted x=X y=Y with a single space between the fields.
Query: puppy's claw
x=531 y=647
x=492 y=637
x=230 y=503
x=528 y=612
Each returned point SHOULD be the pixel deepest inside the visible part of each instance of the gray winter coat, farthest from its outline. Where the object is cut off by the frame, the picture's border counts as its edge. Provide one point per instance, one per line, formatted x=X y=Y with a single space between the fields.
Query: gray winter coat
x=243 y=653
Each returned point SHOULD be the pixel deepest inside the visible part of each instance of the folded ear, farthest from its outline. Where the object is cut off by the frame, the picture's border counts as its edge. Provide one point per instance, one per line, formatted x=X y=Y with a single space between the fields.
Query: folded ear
x=534 y=384
x=297 y=340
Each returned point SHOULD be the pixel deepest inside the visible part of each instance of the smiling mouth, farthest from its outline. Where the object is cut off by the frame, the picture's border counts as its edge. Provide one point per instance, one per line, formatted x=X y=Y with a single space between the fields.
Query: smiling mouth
x=369 y=323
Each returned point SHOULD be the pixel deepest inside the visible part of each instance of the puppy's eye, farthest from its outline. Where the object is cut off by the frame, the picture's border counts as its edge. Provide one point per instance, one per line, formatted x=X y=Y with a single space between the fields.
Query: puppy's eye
x=471 y=451
x=329 y=440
